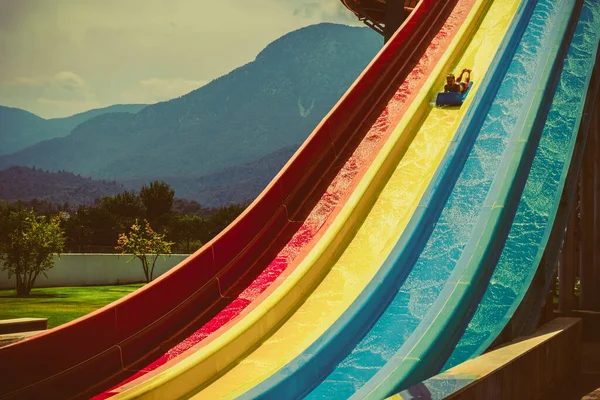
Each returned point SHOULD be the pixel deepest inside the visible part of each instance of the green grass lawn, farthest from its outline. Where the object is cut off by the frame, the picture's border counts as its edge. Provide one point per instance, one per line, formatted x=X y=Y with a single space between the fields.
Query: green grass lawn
x=60 y=305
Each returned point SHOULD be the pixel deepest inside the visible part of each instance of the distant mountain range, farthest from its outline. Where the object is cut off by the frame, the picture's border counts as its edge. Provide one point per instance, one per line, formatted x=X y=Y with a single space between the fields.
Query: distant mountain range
x=20 y=129
x=56 y=187
x=237 y=184
x=223 y=142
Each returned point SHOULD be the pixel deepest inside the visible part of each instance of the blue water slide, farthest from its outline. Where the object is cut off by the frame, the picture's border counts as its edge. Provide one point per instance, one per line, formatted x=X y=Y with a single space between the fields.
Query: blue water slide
x=485 y=199
x=526 y=317
x=537 y=230
x=314 y=364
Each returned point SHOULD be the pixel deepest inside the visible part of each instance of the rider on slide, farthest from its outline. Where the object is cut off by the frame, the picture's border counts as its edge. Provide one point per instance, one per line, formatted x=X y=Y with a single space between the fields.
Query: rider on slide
x=456 y=85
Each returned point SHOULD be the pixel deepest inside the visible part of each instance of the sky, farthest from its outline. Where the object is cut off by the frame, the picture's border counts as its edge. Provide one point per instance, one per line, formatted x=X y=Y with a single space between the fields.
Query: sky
x=61 y=57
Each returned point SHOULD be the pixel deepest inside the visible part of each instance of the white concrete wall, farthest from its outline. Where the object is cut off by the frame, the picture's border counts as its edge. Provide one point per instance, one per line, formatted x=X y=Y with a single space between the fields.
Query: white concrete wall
x=95 y=269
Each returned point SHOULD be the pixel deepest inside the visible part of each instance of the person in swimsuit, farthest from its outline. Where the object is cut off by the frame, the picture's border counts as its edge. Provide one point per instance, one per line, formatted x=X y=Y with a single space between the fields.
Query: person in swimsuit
x=456 y=85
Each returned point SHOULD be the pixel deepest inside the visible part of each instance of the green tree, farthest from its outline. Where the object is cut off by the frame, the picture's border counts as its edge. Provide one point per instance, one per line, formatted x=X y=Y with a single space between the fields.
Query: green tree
x=186 y=230
x=158 y=201
x=93 y=226
x=144 y=244
x=5 y=209
x=27 y=245
x=97 y=227
x=124 y=208
x=220 y=219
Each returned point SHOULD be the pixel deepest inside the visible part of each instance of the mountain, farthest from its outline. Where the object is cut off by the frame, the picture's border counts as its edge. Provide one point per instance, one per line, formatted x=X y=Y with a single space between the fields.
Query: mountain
x=57 y=187
x=20 y=129
x=267 y=105
x=238 y=184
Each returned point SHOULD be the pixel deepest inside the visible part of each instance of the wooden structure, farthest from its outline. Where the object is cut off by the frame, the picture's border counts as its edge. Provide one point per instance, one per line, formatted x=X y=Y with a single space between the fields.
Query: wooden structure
x=530 y=367
x=383 y=16
x=579 y=263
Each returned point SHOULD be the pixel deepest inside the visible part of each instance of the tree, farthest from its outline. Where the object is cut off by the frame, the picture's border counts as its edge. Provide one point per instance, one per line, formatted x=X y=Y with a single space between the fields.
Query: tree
x=5 y=209
x=27 y=245
x=186 y=231
x=145 y=244
x=93 y=226
x=183 y=206
x=157 y=199
x=124 y=207
x=220 y=219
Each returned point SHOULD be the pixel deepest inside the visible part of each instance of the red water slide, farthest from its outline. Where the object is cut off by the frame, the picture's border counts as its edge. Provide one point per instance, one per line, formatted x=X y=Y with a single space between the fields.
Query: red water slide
x=90 y=354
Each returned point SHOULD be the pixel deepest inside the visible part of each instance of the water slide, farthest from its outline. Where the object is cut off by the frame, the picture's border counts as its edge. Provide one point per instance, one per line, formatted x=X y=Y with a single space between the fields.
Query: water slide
x=513 y=298
x=356 y=264
x=476 y=193
x=537 y=231
x=409 y=244
x=495 y=224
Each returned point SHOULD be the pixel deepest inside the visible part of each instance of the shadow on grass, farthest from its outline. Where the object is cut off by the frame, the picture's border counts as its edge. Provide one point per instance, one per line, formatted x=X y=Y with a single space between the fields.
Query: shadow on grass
x=35 y=296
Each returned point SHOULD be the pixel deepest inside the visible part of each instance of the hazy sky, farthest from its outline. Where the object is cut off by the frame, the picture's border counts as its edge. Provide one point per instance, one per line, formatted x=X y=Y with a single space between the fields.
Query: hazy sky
x=60 y=57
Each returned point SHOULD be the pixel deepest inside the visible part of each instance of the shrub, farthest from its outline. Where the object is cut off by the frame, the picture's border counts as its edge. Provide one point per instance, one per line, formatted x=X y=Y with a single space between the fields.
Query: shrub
x=144 y=244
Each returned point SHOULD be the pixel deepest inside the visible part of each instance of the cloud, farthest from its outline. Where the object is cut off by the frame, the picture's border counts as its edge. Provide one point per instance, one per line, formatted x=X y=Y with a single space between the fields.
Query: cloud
x=61 y=94
x=23 y=82
x=70 y=81
x=69 y=87
x=158 y=89
x=65 y=81
x=115 y=51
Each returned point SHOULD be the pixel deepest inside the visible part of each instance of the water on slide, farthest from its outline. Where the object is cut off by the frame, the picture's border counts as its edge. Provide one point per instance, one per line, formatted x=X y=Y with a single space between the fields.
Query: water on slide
x=453 y=230
x=379 y=231
x=539 y=202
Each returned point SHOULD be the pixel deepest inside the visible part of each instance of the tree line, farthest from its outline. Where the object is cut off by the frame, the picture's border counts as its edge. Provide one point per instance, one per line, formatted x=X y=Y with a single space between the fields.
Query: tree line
x=96 y=228
x=145 y=224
